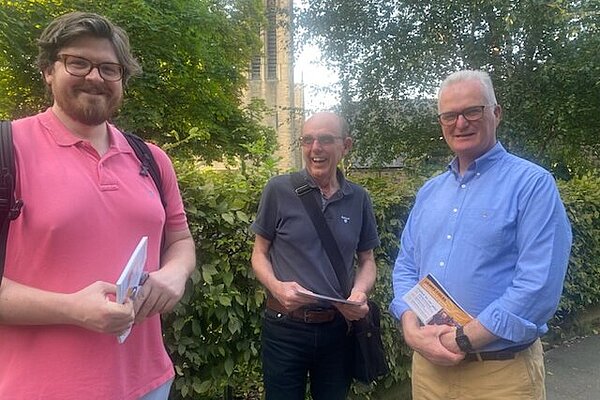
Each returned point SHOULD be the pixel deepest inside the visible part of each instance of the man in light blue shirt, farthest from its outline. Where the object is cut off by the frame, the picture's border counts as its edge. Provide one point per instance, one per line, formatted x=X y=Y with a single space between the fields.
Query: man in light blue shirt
x=494 y=232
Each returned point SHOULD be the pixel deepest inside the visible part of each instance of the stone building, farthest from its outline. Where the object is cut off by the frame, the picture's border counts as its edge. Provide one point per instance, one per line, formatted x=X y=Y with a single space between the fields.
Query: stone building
x=271 y=78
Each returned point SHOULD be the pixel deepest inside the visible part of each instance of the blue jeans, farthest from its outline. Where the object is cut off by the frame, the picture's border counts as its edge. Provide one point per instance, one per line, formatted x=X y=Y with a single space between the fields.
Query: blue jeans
x=293 y=351
x=160 y=393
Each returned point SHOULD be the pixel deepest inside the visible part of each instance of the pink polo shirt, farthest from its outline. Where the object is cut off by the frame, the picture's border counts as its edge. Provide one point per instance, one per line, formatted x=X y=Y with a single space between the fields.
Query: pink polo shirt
x=82 y=217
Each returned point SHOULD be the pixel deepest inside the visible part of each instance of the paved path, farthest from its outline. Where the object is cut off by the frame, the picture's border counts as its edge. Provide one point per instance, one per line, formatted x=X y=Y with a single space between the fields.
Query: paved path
x=573 y=370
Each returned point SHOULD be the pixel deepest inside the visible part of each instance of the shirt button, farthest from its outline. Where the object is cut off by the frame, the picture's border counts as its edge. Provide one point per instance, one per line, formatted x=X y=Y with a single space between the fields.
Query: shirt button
x=478 y=174
x=463 y=186
x=442 y=263
x=455 y=210
x=449 y=237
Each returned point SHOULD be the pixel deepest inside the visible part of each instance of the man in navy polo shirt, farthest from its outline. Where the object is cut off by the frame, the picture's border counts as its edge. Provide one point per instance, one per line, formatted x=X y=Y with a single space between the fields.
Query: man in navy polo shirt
x=302 y=337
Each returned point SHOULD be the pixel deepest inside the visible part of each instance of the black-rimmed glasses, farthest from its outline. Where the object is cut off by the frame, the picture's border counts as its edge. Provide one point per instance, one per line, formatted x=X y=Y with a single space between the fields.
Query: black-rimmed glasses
x=323 y=140
x=80 y=67
x=474 y=113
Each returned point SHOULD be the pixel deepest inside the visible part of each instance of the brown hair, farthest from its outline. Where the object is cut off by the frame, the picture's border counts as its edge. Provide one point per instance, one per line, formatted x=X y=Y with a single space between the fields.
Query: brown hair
x=69 y=27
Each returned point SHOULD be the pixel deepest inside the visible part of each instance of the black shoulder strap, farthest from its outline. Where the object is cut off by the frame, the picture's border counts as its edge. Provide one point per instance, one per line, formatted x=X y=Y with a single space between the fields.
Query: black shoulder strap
x=9 y=207
x=315 y=213
x=149 y=165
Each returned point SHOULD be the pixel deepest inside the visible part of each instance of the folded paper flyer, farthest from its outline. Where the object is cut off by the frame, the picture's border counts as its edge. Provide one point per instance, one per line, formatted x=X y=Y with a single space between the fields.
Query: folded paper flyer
x=129 y=281
x=433 y=304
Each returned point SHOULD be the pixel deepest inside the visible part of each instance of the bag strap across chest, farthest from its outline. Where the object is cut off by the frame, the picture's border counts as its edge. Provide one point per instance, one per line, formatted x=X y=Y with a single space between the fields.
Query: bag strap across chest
x=304 y=192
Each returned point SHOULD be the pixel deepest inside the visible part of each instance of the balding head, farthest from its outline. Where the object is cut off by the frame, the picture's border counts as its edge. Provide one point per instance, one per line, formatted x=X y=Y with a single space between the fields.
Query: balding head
x=332 y=119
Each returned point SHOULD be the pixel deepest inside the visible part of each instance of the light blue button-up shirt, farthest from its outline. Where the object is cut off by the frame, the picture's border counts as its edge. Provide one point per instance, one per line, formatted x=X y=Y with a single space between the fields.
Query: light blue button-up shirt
x=498 y=239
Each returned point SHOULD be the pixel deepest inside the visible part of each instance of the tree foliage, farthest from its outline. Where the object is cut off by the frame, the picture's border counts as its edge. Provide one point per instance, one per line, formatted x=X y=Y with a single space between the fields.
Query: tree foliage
x=194 y=54
x=391 y=56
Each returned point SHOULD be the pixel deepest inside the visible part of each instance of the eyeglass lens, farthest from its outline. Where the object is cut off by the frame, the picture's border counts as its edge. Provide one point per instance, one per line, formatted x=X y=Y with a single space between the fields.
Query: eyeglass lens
x=79 y=66
x=470 y=114
x=308 y=140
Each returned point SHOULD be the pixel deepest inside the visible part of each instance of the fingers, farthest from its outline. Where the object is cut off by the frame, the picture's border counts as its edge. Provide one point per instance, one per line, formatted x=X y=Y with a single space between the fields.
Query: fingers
x=292 y=296
x=352 y=312
x=152 y=299
x=123 y=319
x=430 y=345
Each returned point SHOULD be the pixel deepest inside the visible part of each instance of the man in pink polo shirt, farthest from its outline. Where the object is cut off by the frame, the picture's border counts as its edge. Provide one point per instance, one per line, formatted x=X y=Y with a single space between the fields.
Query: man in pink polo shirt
x=86 y=206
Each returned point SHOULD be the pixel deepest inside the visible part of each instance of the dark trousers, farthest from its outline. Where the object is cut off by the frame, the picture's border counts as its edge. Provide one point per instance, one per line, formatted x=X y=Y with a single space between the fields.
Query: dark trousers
x=294 y=350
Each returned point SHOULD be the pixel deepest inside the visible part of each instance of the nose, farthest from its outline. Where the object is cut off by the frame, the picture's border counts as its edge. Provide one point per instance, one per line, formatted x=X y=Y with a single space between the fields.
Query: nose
x=461 y=121
x=315 y=145
x=94 y=74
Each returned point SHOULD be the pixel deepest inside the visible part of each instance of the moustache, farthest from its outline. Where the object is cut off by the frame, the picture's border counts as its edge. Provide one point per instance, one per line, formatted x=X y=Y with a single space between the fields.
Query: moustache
x=93 y=89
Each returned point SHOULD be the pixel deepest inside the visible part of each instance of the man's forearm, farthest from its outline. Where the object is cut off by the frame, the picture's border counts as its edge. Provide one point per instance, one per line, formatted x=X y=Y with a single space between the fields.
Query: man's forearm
x=180 y=256
x=23 y=305
x=366 y=272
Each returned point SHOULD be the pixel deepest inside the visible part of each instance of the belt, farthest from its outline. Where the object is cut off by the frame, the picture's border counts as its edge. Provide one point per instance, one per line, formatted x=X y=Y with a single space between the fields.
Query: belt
x=306 y=315
x=500 y=355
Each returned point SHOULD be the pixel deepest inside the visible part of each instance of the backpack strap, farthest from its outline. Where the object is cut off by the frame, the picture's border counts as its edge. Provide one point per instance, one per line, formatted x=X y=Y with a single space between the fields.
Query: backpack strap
x=148 y=163
x=10 y=208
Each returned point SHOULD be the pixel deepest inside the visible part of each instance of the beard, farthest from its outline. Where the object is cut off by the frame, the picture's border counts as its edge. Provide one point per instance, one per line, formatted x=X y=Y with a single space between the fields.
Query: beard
x=89 y=104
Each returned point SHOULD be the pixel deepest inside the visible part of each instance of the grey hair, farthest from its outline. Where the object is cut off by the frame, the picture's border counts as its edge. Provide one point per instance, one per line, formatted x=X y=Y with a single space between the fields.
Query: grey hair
x=72 y=26
x=471 y=75
x=344 y=127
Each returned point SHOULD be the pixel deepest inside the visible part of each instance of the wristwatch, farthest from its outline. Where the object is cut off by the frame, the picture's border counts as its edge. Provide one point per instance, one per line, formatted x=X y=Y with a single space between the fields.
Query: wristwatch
x=463 y=342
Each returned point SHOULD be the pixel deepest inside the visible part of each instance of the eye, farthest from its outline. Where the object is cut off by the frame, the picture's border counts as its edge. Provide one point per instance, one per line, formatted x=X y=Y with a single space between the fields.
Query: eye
x=78 y=63
x=307 y=140
x=326 y=139
x=448 y=117
x=112 y=70
x=472 y=112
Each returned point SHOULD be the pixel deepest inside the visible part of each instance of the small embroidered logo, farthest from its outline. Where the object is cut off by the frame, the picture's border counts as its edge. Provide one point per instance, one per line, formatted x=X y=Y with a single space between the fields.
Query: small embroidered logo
x=345 y=219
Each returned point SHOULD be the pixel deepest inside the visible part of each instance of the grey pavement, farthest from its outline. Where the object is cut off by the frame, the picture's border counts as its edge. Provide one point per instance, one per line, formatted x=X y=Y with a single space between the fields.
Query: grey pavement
x=573 y=370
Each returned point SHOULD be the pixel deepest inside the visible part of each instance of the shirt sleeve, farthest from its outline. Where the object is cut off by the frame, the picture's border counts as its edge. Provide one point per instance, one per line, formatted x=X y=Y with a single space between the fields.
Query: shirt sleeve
x=176 y=219
x=543 y=240
x=405 y=274
x=369 y=237
x=266 y=217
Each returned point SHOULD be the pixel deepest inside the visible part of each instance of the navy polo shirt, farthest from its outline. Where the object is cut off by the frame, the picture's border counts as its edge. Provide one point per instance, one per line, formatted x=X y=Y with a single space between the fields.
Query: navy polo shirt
x=296 y=251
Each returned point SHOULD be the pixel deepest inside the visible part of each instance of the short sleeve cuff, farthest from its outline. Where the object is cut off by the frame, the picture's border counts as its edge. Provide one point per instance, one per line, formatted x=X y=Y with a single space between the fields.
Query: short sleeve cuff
x=259 y=230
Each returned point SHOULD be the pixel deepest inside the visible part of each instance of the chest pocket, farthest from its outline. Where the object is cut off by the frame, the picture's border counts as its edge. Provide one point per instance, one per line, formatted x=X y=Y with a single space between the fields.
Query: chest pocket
x=482 y=228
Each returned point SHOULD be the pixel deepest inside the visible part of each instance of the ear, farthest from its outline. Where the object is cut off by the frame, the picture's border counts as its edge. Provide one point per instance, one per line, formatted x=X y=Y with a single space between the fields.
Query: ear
x=498 y=114
x=347 y=145
x=48 y=75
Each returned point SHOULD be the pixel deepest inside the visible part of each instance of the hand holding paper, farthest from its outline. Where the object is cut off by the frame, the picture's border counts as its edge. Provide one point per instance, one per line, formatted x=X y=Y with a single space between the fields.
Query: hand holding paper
x=330 y=299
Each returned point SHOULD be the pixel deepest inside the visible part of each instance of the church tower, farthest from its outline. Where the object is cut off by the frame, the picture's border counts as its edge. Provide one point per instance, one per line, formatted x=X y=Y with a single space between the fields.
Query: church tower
x=271 y=78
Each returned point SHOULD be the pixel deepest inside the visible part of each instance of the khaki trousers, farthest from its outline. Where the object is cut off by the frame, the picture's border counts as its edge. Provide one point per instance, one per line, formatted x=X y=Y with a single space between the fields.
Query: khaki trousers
x=519 y=379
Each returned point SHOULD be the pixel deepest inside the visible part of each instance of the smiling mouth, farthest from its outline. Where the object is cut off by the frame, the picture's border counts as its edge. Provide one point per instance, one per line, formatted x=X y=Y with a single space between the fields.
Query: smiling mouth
x=93 y=92
x=464 y=135
x=318 y=159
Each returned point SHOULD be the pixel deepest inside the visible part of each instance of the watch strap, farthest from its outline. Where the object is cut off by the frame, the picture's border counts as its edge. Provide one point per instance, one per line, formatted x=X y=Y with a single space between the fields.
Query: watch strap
x=462 y=340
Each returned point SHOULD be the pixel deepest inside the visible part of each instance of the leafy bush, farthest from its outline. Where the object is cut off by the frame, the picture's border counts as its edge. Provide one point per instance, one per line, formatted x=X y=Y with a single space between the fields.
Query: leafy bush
x=582 y=284
x=213 y=336
x=392 y=196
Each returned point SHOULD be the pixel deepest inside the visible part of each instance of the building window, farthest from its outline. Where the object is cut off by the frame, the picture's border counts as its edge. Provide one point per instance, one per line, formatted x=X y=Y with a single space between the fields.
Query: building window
x=255 y=68
x=271 y=39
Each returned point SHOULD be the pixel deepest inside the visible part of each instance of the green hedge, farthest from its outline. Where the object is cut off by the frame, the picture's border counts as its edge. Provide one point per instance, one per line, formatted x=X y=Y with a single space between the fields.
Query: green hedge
x=582 y=285
x=213 y=337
